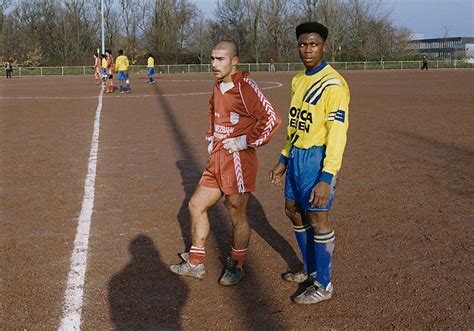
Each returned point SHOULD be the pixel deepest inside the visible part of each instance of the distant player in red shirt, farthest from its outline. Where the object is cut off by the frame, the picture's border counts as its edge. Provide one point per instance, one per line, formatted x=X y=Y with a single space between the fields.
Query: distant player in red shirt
x=110 y=71
x=240 y=119
x=97 y=67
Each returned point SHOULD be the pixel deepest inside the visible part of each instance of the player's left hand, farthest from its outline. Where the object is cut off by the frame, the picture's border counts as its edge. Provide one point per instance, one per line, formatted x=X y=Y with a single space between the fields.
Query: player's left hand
x=211 y=145
x=235 y=144
x=320 y=195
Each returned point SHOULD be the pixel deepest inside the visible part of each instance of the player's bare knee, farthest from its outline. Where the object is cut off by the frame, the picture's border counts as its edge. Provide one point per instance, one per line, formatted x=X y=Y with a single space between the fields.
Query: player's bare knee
x=234 y=205
x=292 y=213
x=195 y=207
x=320 y=221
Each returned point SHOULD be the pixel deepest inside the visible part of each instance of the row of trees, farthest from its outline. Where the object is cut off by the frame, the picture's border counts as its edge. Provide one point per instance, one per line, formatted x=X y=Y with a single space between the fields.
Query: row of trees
x=67 y=32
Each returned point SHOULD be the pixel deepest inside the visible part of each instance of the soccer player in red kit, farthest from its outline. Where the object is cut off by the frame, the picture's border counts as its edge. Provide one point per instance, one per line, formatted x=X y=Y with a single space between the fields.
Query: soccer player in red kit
x=110 y=71
x=97 y=69
x=240 y=119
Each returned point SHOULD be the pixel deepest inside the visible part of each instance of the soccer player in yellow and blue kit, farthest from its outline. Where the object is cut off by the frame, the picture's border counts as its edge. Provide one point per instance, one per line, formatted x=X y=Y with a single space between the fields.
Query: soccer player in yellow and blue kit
x=103 y=67
x=312 y=157
x=121 y=66
x=150 y=67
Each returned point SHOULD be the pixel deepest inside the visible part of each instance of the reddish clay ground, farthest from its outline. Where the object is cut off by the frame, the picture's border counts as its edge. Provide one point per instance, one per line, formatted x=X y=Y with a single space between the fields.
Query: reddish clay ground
x=403 y=210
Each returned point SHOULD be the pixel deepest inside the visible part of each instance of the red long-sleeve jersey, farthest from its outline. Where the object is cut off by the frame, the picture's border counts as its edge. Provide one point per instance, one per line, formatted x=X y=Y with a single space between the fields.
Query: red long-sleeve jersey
x=110 y=64
x=241 y=110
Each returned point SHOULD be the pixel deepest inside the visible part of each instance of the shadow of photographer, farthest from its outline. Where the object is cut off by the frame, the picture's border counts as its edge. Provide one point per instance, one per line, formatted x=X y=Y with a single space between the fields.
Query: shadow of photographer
x=138 y=300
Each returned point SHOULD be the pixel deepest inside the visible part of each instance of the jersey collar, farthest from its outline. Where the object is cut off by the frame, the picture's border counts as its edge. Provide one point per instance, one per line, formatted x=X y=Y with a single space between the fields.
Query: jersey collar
x=317 y=69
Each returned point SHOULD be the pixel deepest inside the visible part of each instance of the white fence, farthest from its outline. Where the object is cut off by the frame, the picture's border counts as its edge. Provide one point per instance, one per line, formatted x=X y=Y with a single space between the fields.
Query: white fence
x=188 y=68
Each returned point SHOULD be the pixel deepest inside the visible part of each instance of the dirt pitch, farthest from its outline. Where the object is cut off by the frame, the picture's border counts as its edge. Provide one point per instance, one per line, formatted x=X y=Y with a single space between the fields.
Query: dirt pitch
x=403 y=211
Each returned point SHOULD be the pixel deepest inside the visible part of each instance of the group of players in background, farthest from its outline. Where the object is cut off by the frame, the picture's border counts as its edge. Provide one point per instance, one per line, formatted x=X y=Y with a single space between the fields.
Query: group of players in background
x=105 y=68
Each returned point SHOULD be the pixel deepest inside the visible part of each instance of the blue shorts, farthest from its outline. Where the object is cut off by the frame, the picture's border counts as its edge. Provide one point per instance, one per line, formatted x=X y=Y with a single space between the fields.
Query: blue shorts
x=303 y=172
x=104 y=72
x=151 y=71
x=122 y=75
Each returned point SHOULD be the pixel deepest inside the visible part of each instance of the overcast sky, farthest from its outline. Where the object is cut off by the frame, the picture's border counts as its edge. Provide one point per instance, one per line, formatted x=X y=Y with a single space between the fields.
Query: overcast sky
x=429 y=18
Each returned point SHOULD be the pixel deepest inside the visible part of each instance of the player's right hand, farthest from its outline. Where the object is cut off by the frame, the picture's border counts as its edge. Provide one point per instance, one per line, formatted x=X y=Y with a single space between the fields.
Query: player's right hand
x=320 y=195
x=276 y=173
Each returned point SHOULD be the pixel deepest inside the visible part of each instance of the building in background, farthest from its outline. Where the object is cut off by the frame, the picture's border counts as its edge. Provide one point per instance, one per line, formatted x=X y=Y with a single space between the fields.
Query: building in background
x=450 y=48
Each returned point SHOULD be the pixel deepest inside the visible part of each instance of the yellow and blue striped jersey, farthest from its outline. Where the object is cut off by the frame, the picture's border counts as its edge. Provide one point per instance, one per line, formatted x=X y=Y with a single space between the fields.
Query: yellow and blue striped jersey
x=319 y=114
x=121 y=63
x=150 y=62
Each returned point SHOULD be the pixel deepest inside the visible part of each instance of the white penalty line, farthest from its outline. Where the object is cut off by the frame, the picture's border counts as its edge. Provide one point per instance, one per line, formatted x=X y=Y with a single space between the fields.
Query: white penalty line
x=72 y=308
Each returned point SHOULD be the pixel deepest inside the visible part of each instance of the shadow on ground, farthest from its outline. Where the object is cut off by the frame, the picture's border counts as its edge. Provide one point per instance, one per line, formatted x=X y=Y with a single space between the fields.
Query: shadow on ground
x=138 y=299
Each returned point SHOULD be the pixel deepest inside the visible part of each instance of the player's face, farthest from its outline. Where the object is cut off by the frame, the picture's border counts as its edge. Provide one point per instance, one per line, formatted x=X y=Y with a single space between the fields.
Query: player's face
x=223 y=64
x=311 y=48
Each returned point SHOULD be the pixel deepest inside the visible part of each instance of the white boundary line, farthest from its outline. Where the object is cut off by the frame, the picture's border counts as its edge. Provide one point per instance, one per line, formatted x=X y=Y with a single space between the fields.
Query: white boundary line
x=277 y=84
x=72 y=308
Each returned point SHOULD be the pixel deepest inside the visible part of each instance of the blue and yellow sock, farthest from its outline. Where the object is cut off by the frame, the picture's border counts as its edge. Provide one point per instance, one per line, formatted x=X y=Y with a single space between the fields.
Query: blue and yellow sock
x=121 y=88
x=304 y=237
x=323 y=252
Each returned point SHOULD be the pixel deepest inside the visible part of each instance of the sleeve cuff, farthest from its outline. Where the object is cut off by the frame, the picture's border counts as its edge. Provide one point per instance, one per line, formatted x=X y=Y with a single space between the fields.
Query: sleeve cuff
x=283 y=159
x=326 y=177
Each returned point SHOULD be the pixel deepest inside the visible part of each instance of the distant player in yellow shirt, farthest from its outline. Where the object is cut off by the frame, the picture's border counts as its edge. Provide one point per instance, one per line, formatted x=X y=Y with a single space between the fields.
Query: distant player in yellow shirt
x=121 y=66
x=103 y=66
x=312 y=156
x=150 y=66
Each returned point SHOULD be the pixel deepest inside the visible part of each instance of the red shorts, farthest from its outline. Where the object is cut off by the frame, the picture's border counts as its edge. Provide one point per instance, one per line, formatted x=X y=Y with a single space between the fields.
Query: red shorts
x=232 y=173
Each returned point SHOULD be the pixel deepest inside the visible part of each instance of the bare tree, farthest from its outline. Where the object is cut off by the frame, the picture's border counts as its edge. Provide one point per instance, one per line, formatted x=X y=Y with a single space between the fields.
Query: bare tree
x=400 y=46
x=111 y=21
x=254 y=15
x=381 y=36
x=130 y=19
x=333 y=14
x=67 y=31
x=278 y=20
x=361 y=14
x=309 y=9
x=232 y=24
x=168 y=28
x=74 y=34
x=201 y=42
x=30 y=35
x=4 y=5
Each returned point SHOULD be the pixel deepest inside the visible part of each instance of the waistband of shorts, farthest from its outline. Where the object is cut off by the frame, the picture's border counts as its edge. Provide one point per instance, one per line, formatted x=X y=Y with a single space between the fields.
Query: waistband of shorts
x=312 y=148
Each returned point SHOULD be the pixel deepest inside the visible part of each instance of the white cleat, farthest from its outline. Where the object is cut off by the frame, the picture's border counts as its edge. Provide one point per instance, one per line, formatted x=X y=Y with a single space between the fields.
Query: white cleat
x=314 y=294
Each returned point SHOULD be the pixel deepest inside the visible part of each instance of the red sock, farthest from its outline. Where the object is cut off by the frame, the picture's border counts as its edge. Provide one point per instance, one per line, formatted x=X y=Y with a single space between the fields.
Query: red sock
x=239 y=255
x=196 y=255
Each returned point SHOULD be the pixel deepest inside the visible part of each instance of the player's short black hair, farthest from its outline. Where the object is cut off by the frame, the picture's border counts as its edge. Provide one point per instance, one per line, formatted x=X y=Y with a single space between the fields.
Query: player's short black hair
x=149 y=54
x=120 y=52
x=310 y=27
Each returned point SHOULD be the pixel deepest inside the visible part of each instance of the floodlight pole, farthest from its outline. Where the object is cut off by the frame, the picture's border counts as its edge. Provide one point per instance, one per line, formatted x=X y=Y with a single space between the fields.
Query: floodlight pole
x=103 y=25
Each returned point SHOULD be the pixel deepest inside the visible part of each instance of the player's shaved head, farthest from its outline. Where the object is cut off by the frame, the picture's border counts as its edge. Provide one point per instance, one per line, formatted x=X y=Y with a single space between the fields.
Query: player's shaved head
x=227 y=45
